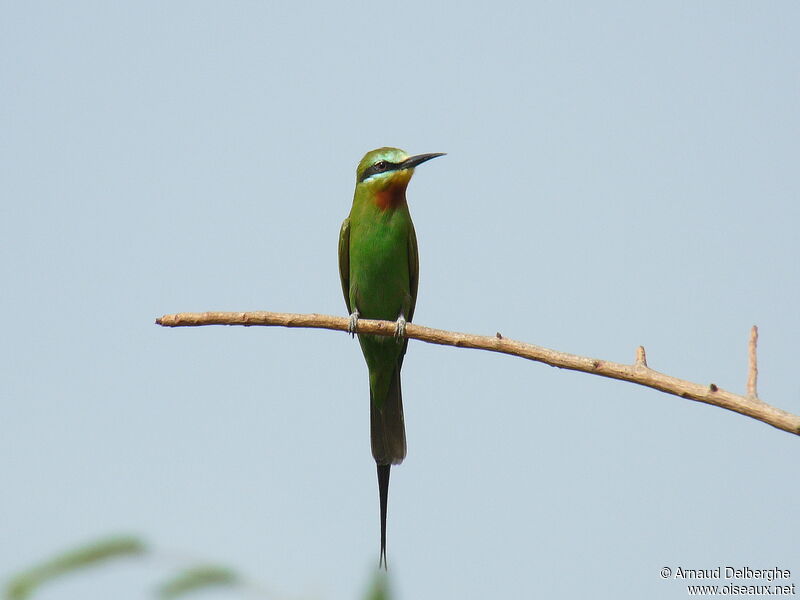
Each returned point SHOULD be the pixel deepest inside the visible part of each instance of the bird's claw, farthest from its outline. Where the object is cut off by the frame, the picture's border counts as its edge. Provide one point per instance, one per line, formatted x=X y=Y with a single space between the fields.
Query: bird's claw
x=400 y=327
x=352 y=326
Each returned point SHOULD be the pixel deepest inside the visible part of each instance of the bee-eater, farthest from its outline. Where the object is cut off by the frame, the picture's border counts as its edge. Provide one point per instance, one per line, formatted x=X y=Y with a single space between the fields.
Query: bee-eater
x=379 y=269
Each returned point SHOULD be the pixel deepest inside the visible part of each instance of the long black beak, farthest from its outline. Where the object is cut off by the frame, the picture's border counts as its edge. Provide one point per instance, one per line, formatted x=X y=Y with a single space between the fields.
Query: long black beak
x=417 y=160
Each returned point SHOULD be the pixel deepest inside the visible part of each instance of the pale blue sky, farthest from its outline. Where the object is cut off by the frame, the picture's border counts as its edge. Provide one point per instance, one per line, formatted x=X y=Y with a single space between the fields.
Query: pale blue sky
x=616 y=175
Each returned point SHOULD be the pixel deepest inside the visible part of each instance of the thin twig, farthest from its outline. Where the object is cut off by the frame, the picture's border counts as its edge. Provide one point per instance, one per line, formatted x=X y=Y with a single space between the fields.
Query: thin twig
x=752 y=371
x=634 y=373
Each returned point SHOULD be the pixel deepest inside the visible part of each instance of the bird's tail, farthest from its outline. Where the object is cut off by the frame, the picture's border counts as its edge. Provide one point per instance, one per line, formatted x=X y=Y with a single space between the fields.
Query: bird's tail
x=388 y=429
x=383 y=490
x=388 y=433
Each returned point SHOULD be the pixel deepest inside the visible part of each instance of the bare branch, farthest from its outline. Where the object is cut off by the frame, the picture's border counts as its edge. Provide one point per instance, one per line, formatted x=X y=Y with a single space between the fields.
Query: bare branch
x=638 y=372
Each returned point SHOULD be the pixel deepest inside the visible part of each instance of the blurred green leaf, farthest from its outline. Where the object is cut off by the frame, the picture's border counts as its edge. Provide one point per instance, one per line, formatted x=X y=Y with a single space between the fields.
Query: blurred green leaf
x=197 y=578
x=22 y=585
x=380 y=587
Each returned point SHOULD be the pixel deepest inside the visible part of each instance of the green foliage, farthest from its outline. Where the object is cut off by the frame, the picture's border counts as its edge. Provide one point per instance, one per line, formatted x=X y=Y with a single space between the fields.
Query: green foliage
x=22 y=586
x=197 y=578
x=380 y=587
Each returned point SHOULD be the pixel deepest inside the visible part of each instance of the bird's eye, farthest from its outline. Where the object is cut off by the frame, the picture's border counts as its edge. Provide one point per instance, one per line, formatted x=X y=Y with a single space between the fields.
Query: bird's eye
x=380 y=165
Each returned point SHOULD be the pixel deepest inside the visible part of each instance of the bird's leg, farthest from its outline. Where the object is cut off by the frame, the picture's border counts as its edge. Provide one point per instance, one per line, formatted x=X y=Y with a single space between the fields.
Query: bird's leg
x=353 y=324
x=400 y=327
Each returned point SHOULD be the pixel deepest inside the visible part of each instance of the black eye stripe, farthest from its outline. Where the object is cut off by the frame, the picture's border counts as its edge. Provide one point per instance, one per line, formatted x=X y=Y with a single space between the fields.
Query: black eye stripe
x=382 y=166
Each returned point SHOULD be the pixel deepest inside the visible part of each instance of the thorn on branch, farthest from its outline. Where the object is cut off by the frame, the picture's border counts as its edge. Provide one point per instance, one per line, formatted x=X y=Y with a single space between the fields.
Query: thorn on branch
x=499 y=337
x=713 y=387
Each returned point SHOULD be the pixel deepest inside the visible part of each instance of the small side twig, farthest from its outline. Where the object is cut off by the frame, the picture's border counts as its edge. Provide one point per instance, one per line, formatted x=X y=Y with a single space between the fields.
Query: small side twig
x=641 y=357
x=752 y=371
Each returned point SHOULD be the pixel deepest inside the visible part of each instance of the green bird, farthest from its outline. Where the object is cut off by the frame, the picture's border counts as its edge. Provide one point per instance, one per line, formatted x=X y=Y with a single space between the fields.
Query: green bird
x=379 y=269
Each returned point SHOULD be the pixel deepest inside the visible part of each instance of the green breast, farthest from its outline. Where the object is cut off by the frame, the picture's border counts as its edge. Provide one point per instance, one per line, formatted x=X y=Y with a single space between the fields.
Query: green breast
x=380 y=285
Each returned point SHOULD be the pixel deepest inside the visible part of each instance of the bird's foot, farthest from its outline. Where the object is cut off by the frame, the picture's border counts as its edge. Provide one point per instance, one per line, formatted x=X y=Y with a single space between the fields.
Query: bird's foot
x=400 y=328
x=352 y=326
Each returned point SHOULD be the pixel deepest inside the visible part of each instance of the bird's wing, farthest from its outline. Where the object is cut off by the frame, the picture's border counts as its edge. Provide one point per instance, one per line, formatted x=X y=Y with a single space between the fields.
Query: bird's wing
x=344 y=262
x=413 y=271
x=413 y=281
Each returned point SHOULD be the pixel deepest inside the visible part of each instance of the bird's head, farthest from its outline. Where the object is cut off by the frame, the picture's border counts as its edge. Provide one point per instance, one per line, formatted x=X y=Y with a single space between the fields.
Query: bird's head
x=388 y=169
